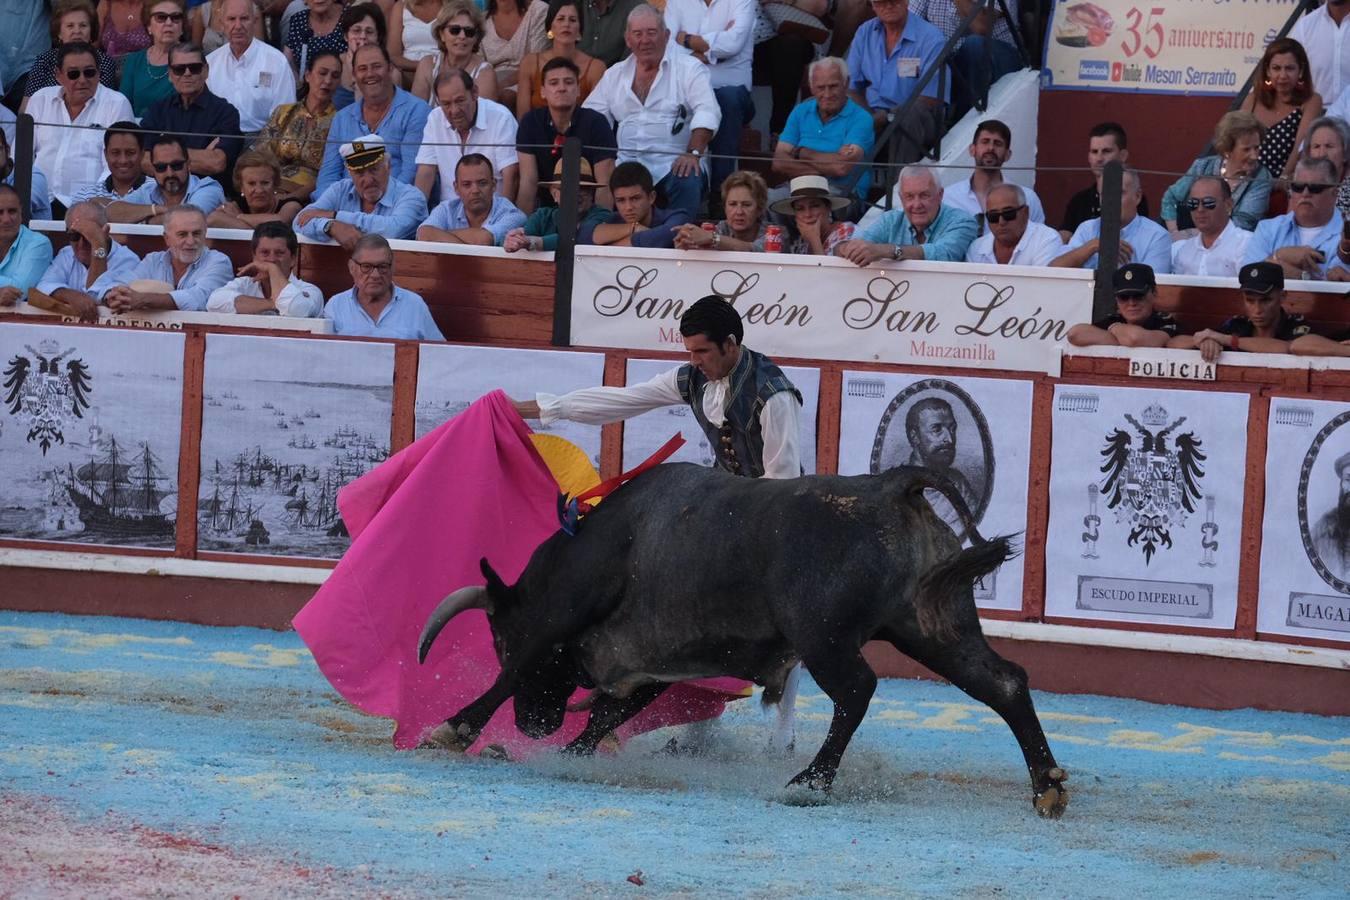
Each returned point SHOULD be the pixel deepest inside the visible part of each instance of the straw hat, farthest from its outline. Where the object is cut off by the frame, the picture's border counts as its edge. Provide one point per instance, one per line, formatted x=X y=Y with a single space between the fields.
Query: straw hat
x=808 y=187
x=587 y=179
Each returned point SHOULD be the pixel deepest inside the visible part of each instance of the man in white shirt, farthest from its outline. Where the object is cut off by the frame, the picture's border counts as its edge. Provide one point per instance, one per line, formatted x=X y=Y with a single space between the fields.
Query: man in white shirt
x=662 y=105
x=254 y=77
x=1323 y=34
x=754 y=431
x=990 y=148
x=1010 y=237
x=1219 y=246
x=720 y=34
x=88 y=266
x=464 y=123
x=268 y=286
x=73 y=157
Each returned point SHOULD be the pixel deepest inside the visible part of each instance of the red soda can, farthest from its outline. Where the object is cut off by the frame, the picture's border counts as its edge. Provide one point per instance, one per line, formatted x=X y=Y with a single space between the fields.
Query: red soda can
x=710 y=226
x=773 y=239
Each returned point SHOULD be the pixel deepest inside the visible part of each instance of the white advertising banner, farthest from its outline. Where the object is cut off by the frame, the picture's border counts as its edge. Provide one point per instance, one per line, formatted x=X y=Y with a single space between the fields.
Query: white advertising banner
x=1305 y=539
x=1146 y=505
x=1160 y=47
x=645 y=434
x=89 y=435
x=450 y=377
x=977 y=431
x=814 y=307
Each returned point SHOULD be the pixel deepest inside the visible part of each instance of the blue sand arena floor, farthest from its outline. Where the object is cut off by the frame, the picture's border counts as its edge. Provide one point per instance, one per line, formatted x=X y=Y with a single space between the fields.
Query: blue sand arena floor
x=150 y=758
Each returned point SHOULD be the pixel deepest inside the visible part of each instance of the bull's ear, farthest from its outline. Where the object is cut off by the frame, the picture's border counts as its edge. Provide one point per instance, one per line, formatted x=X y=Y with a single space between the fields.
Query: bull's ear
x=496 y=588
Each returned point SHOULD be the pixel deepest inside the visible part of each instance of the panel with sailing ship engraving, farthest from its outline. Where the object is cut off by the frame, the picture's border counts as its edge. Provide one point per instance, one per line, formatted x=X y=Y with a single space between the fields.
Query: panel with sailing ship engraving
x=286 y=423
x=89 y=435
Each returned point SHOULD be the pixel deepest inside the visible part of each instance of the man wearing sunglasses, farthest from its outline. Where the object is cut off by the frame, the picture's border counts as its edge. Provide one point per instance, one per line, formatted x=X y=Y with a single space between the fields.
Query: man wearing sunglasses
x=1135 y=323
x=1141 y=240
x=171 y=185
x=180 y=277
x=369 y=201
x=1010 y=237
x=1219 y=245
x=1266 y=327
x=1304 y=240
x=72 y=158
x=464 y=123
x=89 y=265
x=208 y=125
x=375 y=306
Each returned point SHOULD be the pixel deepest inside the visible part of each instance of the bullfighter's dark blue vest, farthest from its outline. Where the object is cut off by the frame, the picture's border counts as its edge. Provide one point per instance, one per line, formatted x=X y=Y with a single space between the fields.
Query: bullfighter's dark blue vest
x=739 y=443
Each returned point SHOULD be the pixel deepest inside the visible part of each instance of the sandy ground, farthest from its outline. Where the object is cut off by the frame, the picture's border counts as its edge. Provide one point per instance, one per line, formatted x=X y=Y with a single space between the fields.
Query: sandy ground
x=150 y=759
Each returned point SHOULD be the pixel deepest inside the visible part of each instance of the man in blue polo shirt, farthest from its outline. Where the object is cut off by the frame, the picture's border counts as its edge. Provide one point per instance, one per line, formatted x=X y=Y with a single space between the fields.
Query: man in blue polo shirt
x=827 y=135
x=476 y=214
x=886 y=59
x=172 y=186
x=381 y=108
x=181 y=277
x=1305 y=240
x=208 y=125
x=369 y=201
x=375 y=306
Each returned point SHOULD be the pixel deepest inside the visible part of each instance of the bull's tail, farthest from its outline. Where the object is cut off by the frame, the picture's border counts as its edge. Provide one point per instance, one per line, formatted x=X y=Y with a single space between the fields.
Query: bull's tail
x=937 y=596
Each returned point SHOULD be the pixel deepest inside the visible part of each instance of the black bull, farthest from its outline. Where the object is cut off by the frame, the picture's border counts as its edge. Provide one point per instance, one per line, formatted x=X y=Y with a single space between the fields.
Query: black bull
x=688 y=572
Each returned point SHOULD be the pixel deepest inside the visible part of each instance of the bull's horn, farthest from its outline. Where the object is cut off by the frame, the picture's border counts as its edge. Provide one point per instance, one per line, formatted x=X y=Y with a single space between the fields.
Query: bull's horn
x=456 y=603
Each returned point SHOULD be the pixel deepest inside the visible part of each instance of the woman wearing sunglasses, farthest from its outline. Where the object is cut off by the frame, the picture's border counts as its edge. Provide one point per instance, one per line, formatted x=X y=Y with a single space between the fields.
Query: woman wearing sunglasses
x=458 y=31
x=145 y=73
x=564 y=30
x=1238 y=161
x=73 y=21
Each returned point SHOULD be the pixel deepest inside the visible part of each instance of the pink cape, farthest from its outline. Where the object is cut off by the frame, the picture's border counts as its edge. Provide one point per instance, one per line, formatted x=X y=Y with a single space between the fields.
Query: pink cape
x=420 y=522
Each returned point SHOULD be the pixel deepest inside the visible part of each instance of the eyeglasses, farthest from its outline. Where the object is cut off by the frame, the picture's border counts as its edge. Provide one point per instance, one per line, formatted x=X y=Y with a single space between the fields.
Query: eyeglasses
x=681 y=114
x=469 y=31
x=162 y=17
x=187 y=68
x=371 y=268
x=177 y=165
x=77 y=74
x=1301 y=187
x=1206 y=202
x=994 y=216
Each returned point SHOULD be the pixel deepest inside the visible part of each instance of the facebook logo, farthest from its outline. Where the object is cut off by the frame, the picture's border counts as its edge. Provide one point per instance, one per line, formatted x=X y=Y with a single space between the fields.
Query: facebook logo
x=1094 y=70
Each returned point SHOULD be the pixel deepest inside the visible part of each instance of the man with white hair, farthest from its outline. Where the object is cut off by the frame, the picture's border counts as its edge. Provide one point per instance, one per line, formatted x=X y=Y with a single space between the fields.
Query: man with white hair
x=370 y=200
x=1306 y=239
x=90 y=265
x=828 y=135
x=1141 y=240
x=662 y=106
x=923 y=228
x=181 y=277
x=1010 y=237
x=253 y=76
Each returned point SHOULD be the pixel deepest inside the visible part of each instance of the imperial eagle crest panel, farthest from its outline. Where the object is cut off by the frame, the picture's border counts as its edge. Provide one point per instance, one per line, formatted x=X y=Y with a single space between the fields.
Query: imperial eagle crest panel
x=450 y=378
x=645 y=434
x=89 y=435
x=1305 y=539
x=286 y=424
x=1146 y=505
x=976 y=432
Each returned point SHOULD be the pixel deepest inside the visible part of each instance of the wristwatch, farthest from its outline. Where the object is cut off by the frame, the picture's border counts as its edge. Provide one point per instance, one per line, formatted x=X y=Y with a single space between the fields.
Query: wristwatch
x=897 y=252
x=100 y=253
x=327 y=227
x=695 y=153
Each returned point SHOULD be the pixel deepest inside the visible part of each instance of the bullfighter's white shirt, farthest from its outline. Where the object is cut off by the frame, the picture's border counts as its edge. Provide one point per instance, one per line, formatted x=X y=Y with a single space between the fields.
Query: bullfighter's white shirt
x=779 y=420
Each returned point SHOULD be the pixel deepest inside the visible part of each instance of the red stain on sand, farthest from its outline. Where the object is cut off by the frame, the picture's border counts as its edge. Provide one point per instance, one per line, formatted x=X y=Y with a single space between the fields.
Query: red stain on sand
x=150 y=837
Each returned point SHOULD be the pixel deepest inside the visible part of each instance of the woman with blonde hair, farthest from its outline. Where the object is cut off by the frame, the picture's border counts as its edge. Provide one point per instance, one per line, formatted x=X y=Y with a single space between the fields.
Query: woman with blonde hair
x=745 y=200
x=256 y=179
x=1285 y=101
x=1237 y=138
x=458 y=31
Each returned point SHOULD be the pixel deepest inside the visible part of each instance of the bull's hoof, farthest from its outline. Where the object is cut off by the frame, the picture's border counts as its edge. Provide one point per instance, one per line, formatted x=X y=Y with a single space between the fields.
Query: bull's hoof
x=814 y=779
x=495 y=751
x=1052 y=800
x=445 y=737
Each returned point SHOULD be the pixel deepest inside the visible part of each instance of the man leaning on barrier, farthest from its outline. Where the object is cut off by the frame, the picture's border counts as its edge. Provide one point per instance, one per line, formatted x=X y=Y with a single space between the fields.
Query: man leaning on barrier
x=1266 y=327
x=90 y=265
x=475 y=214
x=24 y=254
x=1135 y=323
x=371 y=201
x=375 y=306
x=181 y=277
x=637 y=221
x=1304 y=240
x=923 y=228
x=1141 y=240
x=172 y=185
x=267 y=285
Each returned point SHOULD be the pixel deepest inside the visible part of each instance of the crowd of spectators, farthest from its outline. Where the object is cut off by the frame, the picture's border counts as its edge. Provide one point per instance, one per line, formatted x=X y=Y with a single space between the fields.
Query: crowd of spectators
x=445 y=121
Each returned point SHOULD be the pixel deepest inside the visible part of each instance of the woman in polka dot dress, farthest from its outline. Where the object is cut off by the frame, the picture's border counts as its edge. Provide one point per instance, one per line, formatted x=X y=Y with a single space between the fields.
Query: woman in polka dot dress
x=1283 y=100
